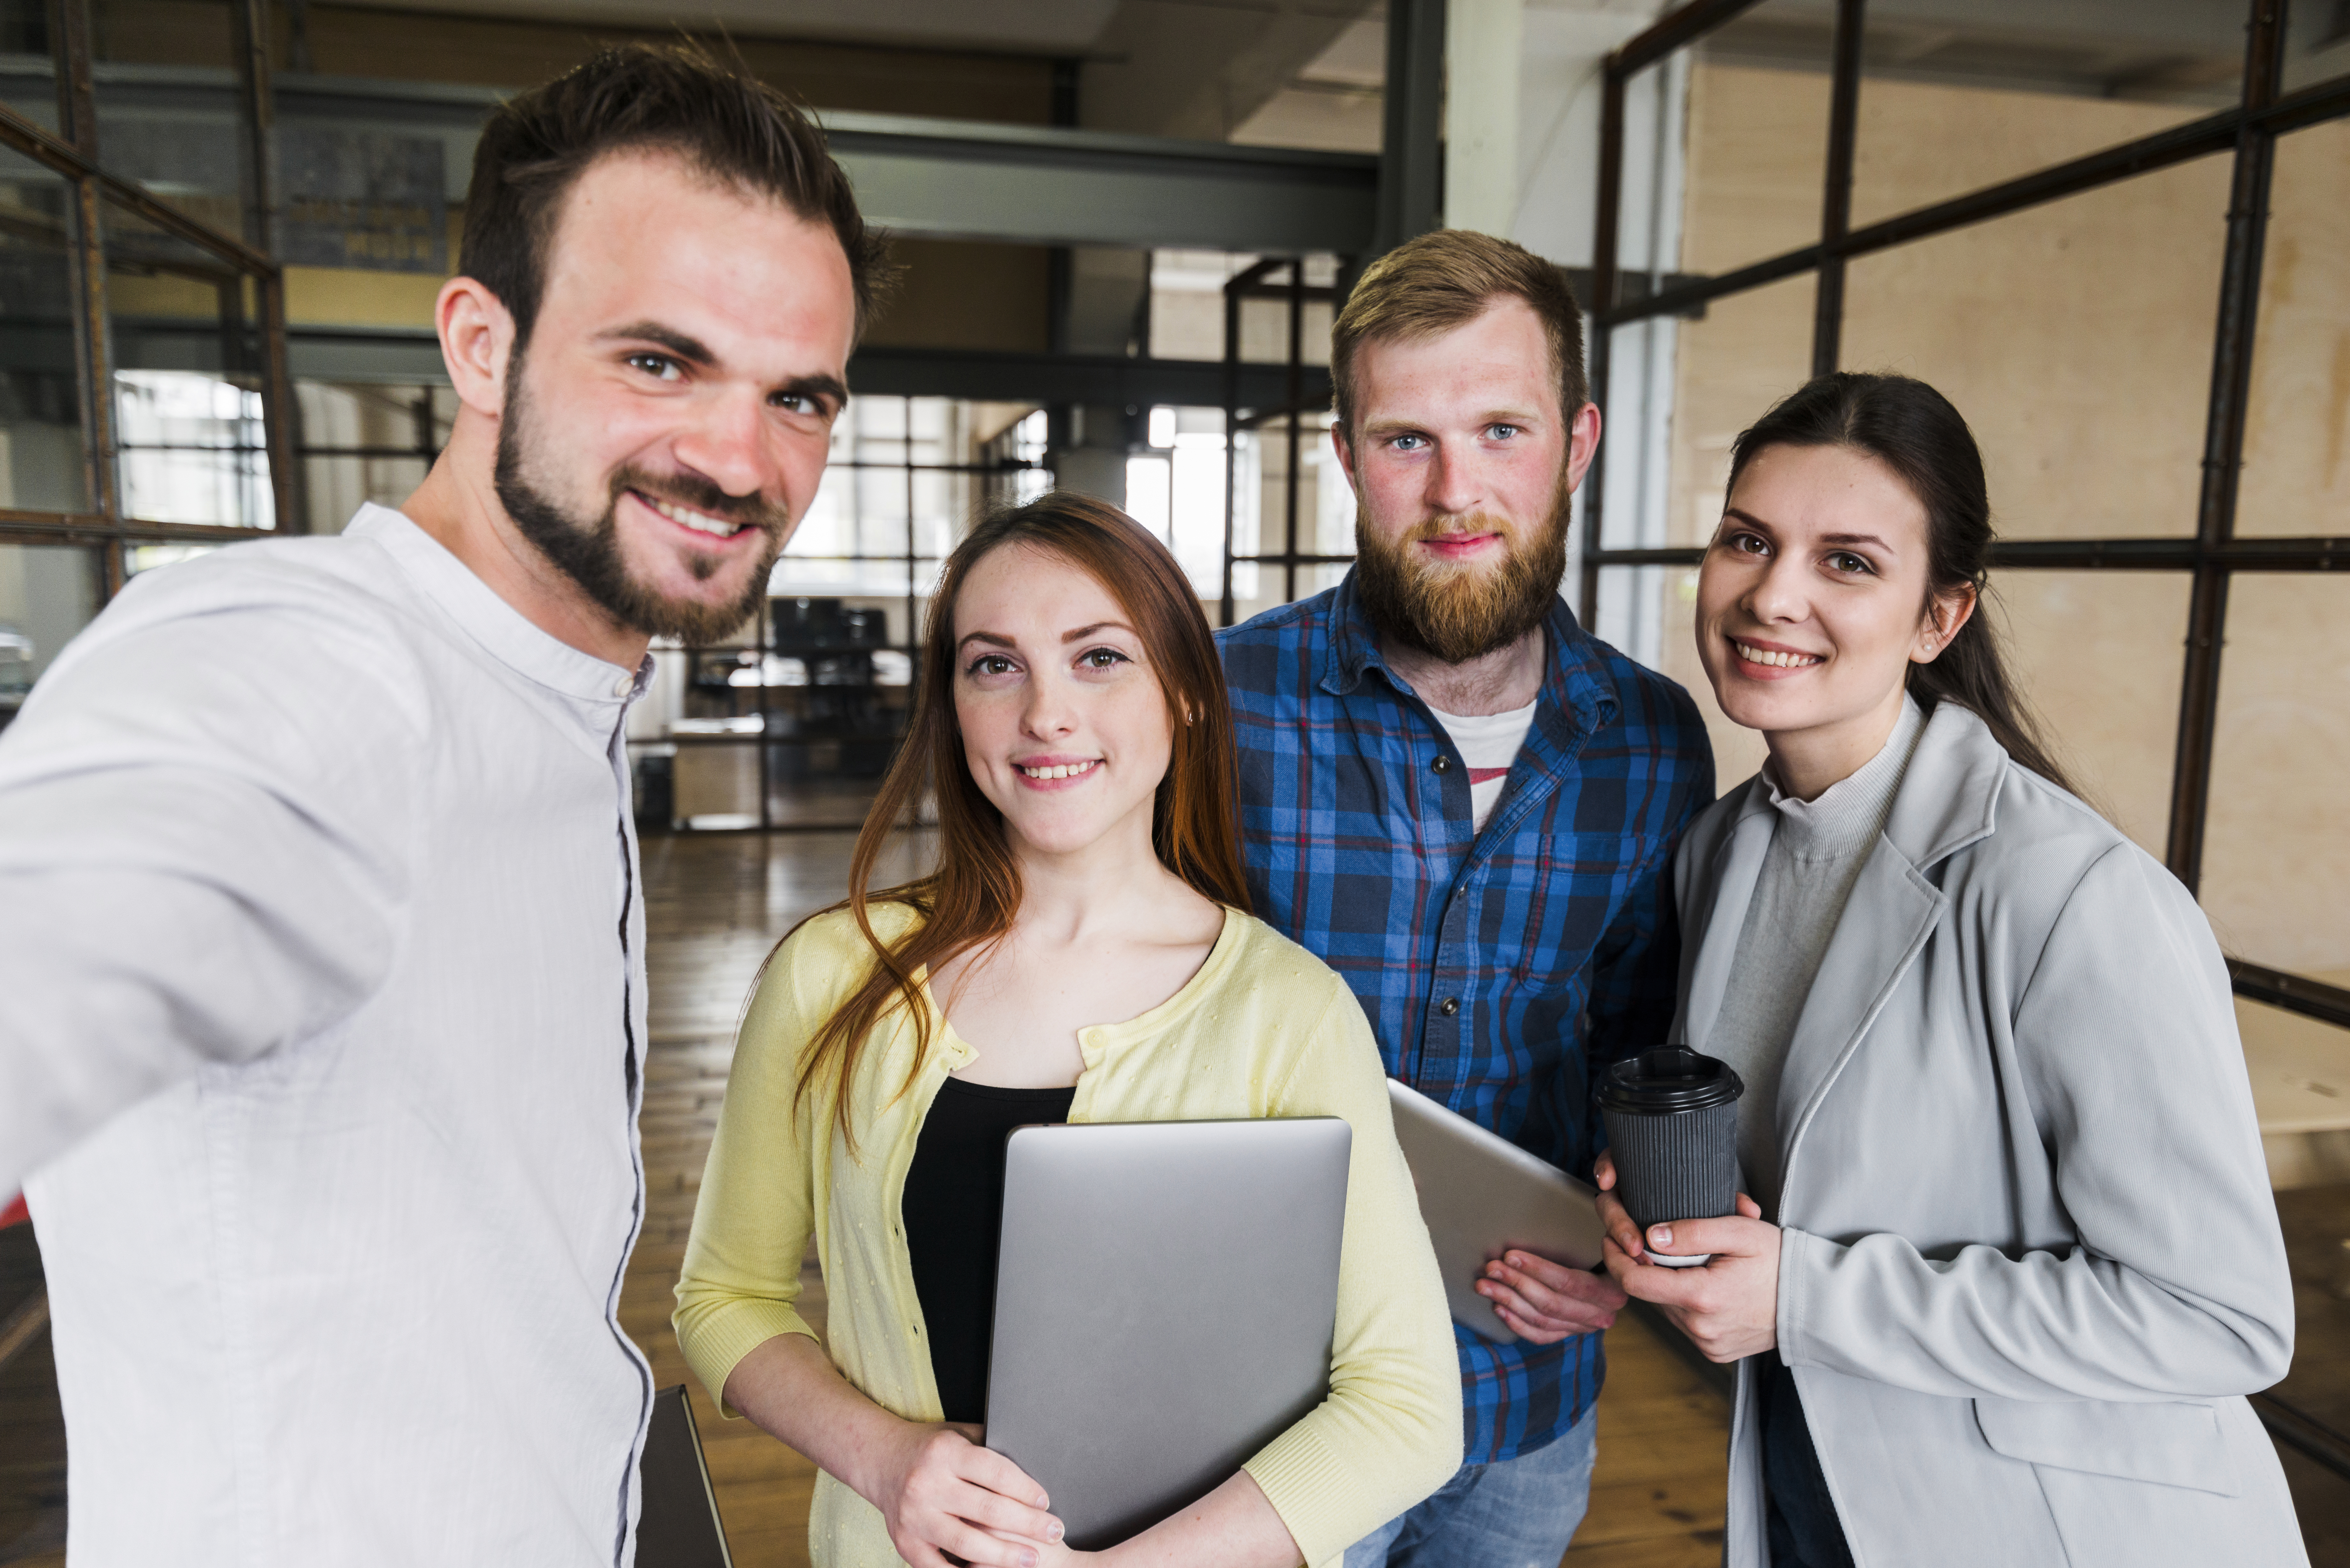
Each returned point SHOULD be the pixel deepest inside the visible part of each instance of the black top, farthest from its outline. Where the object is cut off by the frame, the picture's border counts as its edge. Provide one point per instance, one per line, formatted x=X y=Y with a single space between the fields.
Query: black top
x=953 y=1211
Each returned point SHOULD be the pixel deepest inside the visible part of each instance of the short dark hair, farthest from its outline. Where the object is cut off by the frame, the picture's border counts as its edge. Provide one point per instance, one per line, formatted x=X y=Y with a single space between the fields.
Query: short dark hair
x=1446 y=278
x=639 y=97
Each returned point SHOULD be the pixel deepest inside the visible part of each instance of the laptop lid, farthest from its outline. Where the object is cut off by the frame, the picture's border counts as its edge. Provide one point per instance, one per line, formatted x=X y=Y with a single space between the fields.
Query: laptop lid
x=1165 y=1301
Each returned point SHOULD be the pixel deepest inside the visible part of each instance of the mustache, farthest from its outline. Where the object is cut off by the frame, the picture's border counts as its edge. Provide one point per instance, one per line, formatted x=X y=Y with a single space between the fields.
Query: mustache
x=698 y=494
x=1433 y=528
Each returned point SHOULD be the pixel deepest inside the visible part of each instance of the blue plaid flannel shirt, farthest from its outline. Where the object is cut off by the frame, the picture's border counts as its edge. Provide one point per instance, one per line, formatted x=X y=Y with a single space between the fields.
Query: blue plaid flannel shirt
x=1501 y=969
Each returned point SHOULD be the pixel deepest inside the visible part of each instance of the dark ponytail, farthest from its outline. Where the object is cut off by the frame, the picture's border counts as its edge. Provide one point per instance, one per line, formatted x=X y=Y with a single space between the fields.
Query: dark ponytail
x=1914 y=430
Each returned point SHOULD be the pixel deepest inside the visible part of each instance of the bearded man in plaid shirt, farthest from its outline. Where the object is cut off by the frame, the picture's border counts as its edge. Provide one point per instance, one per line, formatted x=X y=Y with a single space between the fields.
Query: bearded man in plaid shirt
x=1467 y=805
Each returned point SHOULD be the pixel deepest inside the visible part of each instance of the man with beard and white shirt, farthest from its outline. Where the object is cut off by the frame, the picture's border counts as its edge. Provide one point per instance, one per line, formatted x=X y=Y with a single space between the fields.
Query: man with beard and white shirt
x=324 y=1025
x=1467 y=805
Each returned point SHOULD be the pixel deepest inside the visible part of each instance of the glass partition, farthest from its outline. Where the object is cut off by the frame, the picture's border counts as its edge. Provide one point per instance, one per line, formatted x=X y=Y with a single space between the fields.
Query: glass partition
x=1650 y=613
x=366 y=442
x=2097 y=655
x=42 y=463
x=1757 y=138
x=2296 y=476
x=190 y=429
x=1679 y=393
x=47 y=593
x=2276 y=877
x=2076 y=337
x=1945 y=110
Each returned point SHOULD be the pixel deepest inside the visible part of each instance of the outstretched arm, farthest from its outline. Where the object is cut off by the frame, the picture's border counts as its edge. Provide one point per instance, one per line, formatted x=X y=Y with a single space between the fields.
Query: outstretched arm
x=204 y=821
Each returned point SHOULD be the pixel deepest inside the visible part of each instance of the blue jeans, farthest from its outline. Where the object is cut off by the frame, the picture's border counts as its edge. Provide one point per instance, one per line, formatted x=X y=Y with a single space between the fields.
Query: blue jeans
x=1516 y=1513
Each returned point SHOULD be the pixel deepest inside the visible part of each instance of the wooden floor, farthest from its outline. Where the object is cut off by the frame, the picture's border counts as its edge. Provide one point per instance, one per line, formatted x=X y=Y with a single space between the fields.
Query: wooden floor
x=715 y=905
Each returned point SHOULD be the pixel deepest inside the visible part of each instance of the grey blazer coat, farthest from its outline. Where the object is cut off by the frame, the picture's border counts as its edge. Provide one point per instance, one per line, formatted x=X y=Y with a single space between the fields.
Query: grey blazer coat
x=2030 y=1263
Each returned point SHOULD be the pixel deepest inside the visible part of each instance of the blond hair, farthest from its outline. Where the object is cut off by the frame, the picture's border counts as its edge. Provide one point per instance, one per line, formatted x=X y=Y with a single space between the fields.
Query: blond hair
x=1445 y=279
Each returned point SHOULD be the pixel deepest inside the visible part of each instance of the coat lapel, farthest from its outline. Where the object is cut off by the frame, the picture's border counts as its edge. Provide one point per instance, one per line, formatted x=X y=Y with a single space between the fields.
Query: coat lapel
x=1737 y=867
x=1949 y=799
x=1884 y=925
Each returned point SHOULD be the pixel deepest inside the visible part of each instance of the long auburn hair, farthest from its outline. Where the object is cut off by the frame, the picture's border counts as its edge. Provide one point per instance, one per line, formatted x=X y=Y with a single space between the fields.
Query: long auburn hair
x=970 y=899
x=1914 y=430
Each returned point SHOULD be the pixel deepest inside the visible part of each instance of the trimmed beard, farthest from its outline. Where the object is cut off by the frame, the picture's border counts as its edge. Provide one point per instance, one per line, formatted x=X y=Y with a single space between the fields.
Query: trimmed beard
x=1459 y=613
x=589 y=553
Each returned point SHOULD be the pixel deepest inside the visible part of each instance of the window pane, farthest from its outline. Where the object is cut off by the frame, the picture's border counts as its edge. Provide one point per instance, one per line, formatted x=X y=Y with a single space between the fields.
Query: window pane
x=1949 y=105
x=187 y=383
x=184 y=153
x=2276 y=856
x=363 y=443
x=2296 y=478
x=2076 y=339
x=42 y=461
x=2099 y=655
x=1757 y=137
x=2300 y=1070
x=1650 y=613
x=47 y=593
x=1678 y=394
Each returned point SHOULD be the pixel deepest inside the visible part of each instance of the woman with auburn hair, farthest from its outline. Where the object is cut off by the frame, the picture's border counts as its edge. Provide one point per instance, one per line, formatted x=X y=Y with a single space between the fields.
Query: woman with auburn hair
x=1083 y=952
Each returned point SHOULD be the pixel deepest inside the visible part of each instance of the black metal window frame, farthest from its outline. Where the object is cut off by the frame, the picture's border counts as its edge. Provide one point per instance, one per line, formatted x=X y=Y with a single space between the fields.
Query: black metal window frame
x=997 y=469
x=251 y=283
x=2213 y=554
x=1304 y=393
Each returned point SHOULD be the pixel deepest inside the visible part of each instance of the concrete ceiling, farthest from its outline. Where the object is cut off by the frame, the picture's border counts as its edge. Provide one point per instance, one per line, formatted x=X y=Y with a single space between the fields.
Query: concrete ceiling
x=1022 y=27
x=1195 y=69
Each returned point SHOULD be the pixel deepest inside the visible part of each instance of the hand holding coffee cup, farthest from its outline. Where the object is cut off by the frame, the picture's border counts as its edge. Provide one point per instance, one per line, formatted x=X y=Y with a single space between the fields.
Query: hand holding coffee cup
x=1672 y=1128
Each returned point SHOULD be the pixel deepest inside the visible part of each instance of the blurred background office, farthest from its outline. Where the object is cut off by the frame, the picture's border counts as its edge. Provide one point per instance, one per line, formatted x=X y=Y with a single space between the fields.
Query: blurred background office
x=2116 y=232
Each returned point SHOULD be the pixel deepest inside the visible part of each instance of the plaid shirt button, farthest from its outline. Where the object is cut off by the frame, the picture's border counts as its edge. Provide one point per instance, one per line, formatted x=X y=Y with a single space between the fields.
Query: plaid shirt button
x=1442 y=763
x=1451 y=1005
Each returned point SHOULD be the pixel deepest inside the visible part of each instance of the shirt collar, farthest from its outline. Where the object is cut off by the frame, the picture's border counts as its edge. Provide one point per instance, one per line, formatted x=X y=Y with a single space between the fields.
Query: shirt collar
x=503 y=631
x=1575 y=680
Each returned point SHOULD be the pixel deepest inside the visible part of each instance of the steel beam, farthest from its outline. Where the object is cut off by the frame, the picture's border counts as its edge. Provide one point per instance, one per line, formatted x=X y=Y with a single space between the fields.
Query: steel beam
x=1034 y=185
x=1835 y=205
x=1099 y=380
x=2294 y=993
x=257 y=158
x=2223 y=444
x=1412 y=151
x=408 y=356
x=945 y=178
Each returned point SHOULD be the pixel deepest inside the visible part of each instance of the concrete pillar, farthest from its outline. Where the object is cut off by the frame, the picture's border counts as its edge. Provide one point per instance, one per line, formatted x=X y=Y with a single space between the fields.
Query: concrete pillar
x=1090 y=448
x=1483 y=39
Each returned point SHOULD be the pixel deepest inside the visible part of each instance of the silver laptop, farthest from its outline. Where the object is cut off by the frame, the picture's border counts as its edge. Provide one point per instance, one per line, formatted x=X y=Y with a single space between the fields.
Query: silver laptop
x=1164 y=1306
x=1482 y=1196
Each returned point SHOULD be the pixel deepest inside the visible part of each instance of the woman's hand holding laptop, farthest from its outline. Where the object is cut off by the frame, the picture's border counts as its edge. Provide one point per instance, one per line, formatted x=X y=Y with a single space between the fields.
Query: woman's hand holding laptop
x=1083 y=953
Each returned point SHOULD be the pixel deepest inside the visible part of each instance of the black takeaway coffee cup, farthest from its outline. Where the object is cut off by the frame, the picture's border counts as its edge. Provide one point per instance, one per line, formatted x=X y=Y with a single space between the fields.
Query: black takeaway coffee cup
x=1672 y=1125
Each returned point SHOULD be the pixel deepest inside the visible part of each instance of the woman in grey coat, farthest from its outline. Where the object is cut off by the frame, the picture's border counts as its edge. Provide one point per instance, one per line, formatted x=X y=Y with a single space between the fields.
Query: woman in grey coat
x=2007 y=1262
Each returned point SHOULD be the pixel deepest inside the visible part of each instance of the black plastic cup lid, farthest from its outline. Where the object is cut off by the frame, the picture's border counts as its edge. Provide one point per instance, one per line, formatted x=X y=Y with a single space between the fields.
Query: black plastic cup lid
x=1660 y=1083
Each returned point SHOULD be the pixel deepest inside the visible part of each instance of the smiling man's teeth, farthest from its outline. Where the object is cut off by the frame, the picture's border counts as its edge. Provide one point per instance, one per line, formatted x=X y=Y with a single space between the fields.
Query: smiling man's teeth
x=1765 y=656
x=1063 y=771
x=695 y=520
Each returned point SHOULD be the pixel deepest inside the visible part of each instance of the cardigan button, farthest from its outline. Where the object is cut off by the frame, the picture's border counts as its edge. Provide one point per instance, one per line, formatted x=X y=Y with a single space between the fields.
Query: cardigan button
x=1451 y=1005
x=1442 y=763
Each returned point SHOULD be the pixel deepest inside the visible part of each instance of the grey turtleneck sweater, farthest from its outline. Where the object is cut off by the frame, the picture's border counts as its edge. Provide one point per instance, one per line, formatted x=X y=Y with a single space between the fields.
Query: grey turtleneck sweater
x=1817 y=848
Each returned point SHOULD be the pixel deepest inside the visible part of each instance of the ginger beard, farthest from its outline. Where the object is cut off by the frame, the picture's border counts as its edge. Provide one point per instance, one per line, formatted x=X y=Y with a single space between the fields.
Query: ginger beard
x=589 y=553
x=1457 y=613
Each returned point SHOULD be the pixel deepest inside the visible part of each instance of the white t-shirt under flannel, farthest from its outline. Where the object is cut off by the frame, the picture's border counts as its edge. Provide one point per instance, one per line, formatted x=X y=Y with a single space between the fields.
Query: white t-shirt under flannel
x=1489 y=743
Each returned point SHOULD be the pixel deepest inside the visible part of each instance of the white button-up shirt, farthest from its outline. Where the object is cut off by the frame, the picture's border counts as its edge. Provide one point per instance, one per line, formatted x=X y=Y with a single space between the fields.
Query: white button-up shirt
x=321 y=1042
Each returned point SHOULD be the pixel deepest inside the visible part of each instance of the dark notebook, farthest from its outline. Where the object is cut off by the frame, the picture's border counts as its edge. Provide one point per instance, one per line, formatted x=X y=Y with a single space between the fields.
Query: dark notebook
x=677 y=1526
